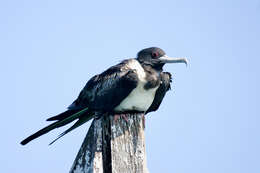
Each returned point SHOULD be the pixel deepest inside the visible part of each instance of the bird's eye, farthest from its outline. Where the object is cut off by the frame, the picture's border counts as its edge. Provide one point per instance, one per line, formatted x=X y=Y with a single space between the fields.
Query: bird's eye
x=155 y=54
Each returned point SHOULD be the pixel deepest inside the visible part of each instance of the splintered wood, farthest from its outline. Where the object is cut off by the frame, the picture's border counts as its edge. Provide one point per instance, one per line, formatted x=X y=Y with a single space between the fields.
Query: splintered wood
x=113 y=147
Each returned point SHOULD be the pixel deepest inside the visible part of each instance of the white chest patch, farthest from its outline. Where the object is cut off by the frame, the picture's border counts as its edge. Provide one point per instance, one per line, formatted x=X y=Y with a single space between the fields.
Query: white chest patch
x=139 y=99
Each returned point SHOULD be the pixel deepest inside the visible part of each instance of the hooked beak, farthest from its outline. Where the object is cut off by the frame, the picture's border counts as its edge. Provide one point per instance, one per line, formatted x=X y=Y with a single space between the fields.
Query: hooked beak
x=166 y=59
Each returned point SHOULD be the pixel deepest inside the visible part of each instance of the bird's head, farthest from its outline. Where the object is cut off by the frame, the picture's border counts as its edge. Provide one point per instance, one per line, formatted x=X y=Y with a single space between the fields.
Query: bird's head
x=156 y=57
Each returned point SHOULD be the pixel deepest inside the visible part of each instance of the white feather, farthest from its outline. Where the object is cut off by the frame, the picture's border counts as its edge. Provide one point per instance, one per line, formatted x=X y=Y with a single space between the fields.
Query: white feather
x=139 y=99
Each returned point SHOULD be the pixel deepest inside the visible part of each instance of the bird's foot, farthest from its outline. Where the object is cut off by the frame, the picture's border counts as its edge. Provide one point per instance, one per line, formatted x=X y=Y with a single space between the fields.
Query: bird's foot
x=116 y=116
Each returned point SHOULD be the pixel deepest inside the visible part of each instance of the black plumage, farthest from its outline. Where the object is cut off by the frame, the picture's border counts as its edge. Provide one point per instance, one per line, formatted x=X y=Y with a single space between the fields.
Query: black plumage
x=166 y=79
x=134 y=85
x=105 y=91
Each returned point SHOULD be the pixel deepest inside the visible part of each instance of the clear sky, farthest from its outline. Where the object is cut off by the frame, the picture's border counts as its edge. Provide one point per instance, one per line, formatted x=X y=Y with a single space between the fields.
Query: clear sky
x=208 y=123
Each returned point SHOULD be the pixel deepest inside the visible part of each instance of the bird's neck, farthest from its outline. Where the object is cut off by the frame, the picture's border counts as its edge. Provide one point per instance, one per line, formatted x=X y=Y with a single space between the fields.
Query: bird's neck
x=152 y=76
x=151 y=70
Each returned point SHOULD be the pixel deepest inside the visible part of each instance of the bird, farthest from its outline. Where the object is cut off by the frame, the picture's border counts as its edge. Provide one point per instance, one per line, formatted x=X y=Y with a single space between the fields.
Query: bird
x=135 y=85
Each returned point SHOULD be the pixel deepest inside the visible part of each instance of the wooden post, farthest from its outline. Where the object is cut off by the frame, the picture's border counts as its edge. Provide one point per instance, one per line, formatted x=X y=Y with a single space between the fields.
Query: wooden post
x=113 y=147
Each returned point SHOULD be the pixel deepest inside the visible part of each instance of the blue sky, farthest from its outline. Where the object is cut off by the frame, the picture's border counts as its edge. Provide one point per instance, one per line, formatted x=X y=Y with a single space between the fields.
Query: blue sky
x=209 y=122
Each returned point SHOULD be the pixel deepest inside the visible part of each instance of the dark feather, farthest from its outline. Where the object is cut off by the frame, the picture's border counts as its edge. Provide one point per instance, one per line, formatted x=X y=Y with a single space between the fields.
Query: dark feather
x=53 y=126
x=165 y=85
x=106 y=90
x=62 y=115
x=81 y=121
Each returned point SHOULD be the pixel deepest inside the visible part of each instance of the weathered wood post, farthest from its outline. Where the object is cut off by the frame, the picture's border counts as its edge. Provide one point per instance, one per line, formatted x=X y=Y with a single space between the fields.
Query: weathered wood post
x=113 y=147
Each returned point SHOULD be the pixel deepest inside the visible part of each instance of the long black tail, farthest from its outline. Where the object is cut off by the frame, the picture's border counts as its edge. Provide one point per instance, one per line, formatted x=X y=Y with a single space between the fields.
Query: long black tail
x=68 y=117
x=63 y=115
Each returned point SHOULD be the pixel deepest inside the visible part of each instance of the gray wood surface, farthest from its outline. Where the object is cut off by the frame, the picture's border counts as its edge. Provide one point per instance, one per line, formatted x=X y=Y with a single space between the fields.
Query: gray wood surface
x=113 y=147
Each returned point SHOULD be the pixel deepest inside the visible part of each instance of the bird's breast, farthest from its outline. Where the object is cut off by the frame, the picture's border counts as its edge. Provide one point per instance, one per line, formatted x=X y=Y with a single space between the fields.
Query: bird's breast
x=140 y=98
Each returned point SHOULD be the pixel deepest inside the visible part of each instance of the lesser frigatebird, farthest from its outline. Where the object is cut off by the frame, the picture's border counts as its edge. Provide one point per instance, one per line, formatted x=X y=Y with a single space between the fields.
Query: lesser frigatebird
x=134 y=85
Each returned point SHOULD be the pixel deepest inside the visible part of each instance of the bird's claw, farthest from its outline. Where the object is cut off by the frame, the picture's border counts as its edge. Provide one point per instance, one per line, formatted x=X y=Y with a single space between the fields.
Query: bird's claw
x=116 y=117
x=124 y=116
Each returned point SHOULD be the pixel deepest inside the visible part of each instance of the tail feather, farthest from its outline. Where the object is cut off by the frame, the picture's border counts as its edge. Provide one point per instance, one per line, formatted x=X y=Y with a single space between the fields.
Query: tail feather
x=53 y=126
x=81 y=121
x=62 y=115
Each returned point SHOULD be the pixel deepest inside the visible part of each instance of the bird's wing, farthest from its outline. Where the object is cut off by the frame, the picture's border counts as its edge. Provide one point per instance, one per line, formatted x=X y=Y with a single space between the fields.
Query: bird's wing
x=105 y=91
x=102 y=93
x=165 y=85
